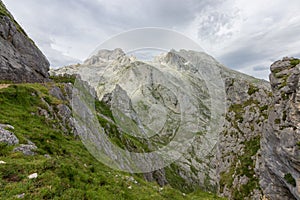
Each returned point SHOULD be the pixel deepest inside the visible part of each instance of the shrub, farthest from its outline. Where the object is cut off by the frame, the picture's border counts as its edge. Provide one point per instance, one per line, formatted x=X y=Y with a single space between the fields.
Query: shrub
x=290 y=179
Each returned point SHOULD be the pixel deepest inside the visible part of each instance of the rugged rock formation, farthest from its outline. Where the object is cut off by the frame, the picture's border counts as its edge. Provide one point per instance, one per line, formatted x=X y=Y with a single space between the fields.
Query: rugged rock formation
x=60 y=113
x=280 y=144
x=20 y=59
x=221 y=159
x=240 y=139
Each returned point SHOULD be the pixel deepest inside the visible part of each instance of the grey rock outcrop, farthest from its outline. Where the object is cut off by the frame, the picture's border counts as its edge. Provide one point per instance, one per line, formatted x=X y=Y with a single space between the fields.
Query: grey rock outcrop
x=26 y=149
x=7 y=136
x=280 y=147
x=239 y=142
x=20 y=58
x=61 y=112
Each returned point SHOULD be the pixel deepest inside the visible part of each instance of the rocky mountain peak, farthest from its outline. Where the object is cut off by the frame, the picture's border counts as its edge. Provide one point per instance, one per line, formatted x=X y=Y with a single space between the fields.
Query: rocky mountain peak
x=105 y=55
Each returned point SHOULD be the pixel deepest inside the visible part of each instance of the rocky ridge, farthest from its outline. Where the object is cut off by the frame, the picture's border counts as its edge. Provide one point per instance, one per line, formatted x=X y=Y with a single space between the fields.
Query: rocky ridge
x=280 y=152
x=210 y=165
x=20 y=59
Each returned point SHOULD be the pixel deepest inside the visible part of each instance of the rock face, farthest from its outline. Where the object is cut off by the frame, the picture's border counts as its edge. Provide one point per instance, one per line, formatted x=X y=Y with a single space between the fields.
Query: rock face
x=239 y=141
x=7 y=136
x=20 y=59
x=280 y=144
x=221 y=158
x=26 y=149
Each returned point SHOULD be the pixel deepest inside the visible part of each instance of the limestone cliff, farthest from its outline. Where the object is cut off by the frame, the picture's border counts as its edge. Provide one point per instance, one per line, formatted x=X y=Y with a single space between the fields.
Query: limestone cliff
x=221 y=159
x=20 y=59
x=280 y=144
x=239 y=144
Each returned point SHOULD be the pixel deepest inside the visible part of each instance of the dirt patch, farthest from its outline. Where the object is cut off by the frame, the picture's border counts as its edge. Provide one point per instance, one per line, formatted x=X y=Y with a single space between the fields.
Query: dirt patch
x=4 y=86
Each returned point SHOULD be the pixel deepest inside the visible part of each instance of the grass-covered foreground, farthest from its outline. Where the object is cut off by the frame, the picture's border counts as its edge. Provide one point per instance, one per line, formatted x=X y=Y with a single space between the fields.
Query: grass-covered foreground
x=69 y=172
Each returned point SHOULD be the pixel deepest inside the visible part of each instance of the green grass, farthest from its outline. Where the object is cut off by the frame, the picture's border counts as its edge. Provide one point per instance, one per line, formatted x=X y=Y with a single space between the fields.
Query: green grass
x=252 y=89
x=295 y=62
x=64 y=78
x=246 y=167
x=71 y=172
x=176 y=181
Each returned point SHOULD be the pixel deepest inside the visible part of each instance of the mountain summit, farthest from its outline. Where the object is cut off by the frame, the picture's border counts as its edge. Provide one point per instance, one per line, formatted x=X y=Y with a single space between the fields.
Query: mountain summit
x=227 y=112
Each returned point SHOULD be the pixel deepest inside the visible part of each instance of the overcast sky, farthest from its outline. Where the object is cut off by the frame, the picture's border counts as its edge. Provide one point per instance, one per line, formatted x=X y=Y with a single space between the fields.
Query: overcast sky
x=246 y=35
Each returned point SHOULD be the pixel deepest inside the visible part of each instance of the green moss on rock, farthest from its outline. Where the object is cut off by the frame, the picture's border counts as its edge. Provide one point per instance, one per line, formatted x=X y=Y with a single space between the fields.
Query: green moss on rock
x=245 y=168
x=252 y=89
x=295 y=62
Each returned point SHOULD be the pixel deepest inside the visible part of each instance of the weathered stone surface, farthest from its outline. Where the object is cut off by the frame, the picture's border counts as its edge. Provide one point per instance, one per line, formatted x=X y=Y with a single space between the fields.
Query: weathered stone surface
x=239 y=141
x=104 y=56
x=57 y=93
x=7 y=136
x=280 y=167
x=20 y=59
x=26 y=149
x=159 y=176
x=123 y=81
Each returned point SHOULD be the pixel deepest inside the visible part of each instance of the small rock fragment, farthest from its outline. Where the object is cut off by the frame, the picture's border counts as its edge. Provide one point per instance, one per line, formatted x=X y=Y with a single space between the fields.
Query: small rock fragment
x=20 y=196
x=33 y=176
x=47 y=156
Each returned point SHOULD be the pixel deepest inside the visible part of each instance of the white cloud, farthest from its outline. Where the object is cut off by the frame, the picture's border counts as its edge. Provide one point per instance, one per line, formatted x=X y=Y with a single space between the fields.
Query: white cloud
x=244 y=35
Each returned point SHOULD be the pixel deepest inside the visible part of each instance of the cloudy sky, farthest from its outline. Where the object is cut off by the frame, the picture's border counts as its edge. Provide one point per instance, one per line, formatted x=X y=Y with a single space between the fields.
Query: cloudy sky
x=246 y=35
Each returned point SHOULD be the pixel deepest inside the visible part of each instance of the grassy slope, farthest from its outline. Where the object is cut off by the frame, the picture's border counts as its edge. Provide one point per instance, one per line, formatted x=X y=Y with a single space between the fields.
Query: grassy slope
x=71 y=172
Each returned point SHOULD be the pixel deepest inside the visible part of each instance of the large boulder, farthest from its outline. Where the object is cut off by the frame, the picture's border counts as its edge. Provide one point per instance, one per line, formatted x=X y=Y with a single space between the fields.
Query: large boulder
x=20 y=58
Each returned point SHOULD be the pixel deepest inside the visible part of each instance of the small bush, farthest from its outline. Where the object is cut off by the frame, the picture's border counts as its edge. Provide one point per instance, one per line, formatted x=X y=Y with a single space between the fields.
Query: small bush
x=290 y=179
x=66 y=78
x=252 y=89
x=294 y=62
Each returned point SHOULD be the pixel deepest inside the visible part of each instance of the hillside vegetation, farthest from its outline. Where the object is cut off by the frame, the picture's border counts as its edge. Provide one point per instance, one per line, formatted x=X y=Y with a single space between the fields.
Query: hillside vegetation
x=65 y=169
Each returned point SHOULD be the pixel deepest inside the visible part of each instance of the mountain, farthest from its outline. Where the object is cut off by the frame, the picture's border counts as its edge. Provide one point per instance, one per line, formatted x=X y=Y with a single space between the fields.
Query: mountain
x=181 y=126
x=230 y=159
x=20 y=58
